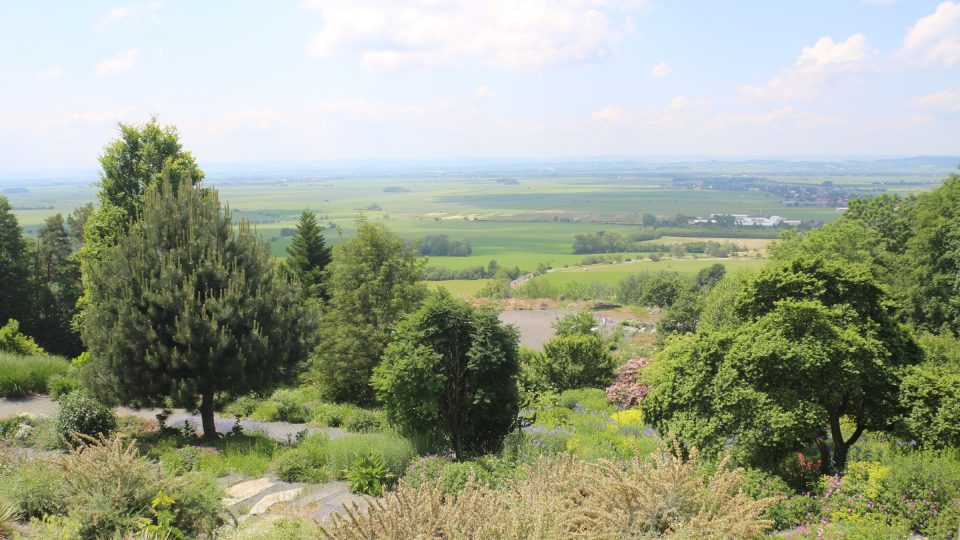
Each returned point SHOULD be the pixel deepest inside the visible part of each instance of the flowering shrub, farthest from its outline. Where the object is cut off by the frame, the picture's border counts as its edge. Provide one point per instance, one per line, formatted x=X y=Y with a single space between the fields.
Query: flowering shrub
x=628 y=390
x=801 y=473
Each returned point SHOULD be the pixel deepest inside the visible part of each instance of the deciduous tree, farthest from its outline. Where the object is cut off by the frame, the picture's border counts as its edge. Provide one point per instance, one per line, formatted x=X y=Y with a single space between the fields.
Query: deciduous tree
x=450 y=373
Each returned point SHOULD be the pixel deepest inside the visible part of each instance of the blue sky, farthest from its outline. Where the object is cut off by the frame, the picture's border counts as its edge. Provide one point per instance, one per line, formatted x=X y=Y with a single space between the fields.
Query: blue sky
x=330 y=79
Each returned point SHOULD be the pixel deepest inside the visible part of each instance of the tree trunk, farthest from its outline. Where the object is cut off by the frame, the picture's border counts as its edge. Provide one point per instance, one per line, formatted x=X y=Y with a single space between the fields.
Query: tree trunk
x=842 y=447
x=206 y=416
x=825 y=460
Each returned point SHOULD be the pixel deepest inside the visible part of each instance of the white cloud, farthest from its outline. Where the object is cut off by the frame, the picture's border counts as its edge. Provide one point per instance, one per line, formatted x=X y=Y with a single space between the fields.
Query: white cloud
x=815 y=65
x=610 y=114
x=524 y=35
x=252 y=118
x=484 y=92
x=131 y=13
x=120 y=63
x=661 y=70
x=946 y=100
x=826 y=51
x=51 y=73
x=935 y=39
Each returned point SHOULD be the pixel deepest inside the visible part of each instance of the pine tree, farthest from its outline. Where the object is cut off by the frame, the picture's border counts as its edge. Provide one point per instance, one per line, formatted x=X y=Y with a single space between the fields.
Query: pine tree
x=309 y=256
x=14 y=267
x=185 y=308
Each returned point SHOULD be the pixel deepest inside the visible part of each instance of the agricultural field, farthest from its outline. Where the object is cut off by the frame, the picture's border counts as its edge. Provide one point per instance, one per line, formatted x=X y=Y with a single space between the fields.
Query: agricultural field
x=611 y=274
x=519 y=217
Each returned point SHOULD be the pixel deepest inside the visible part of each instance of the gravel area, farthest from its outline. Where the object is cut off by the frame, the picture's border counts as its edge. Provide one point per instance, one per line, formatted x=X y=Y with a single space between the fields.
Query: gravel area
x=281 y=431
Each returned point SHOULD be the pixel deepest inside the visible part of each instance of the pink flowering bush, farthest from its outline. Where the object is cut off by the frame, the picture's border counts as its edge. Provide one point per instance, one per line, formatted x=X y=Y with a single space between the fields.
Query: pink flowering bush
x=628 y=390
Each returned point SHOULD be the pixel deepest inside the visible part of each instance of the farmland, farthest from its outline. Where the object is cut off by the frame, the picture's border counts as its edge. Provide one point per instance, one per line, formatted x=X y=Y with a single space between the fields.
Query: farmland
x=520 y=216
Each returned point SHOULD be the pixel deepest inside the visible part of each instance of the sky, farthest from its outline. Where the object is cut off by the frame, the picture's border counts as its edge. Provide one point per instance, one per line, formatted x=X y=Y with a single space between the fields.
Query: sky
x=253 y=81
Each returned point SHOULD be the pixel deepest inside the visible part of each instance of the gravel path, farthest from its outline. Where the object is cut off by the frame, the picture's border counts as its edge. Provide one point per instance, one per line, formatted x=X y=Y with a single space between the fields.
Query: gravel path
x=280 y=431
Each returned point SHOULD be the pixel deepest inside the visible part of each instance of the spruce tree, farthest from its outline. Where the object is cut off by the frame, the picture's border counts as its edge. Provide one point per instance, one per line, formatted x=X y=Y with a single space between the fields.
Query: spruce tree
x=309 y=256
x=185 y=308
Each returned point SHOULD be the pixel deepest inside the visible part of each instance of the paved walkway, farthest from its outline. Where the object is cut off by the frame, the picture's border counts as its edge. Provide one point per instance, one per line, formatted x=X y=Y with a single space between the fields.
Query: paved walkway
x=280 y=431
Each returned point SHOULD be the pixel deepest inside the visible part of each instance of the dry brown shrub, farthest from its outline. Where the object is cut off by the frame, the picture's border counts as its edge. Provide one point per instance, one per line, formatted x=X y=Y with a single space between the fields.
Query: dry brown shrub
x=568 y=498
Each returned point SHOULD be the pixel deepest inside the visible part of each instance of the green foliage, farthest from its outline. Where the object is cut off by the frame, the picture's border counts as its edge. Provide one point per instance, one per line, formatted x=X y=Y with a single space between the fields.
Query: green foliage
x=682 y=316
x=930 y=395
x=659 y=289
x=15 y=342
x=708 y=277
x=818 y=341
x=374 y=282
x=246 y=454
x=450 y=372
x=368 y=475
x=57 y=285
x=81 y=414
x=395 y=451
x=790 y=510
x=141 y=158
x=22 y=375
x=35 y=487
x=305 y=463
x=916 y=491
x=61 y=384
x=185 y=307
x=309 y=256
x=575 y=324
x=575 y=361
x=14 y=267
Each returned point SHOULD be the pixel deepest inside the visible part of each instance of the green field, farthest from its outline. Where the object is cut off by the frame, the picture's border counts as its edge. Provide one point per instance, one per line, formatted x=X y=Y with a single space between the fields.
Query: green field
x=611 y=274
x=517 y=225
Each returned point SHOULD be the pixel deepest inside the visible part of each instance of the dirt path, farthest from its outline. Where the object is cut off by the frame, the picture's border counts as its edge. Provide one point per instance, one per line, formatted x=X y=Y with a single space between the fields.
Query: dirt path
x=280 y=431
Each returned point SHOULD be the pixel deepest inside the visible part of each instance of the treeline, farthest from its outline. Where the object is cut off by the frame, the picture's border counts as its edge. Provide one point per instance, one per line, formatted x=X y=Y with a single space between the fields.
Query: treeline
x=440 y=245
x=40 y=277
x=493 y=270
x=613 y=242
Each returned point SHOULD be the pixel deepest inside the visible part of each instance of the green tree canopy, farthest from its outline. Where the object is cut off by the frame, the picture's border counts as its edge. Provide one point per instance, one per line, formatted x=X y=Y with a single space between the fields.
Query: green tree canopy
x=138 y=159
x=185 y=308
x=15 y=299
x=450 y=374
x=815 y=342
x=374 y=282
x=57 y=284
x=309 y=256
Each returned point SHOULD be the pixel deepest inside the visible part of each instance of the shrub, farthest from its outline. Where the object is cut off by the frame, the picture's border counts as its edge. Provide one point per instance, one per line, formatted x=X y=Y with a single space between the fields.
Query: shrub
x=790 y=510
x=628 y=388
x=35 y=488
x=22 y=375
x=368 y=475
x=450 y=373
x=575 y=361
x=110 y=488
x=364 y=420
x=425 y=470
x=397 y=452
x=290 y=406
x=12 y=341
x=305 y=463
x=666 y=498
x=79 y=413
x=62 y=384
